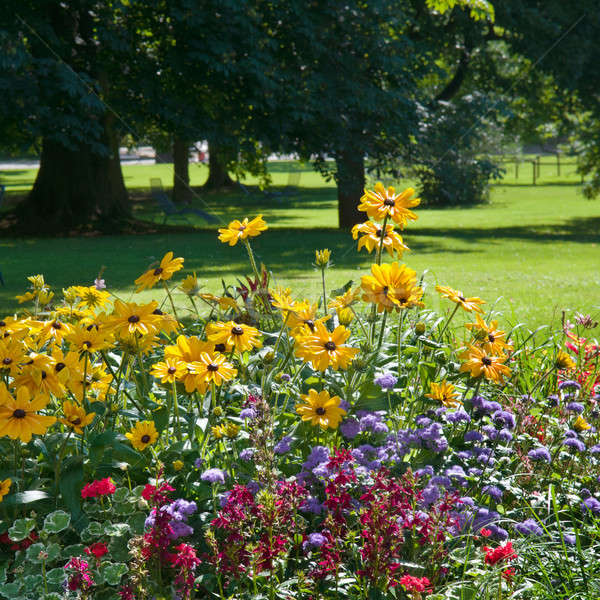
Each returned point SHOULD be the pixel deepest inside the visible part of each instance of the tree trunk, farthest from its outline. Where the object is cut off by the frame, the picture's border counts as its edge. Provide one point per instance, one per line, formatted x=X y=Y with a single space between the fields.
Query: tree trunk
x=217 y=173
x=350 y=188
x=75 y=187
x=181 y=173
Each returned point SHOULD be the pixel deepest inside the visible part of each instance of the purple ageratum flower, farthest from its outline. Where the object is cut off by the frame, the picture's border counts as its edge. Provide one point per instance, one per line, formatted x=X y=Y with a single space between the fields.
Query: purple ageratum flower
x=540 y=454
x=345 y=405
x=575 y=407
x=457 y=416
x=569 y=383
x=486 y=407
x=553 y=400
x=312 y=505
x=595 y=449
x=253 y=487
x=422 y=421
x=248 y=413
x=504 y=418
x=498 y=533
x=490 y=432
x=314 y=540
x=247 y=454
x=504 y=435
x=180 y=509
x=574 y=443
x=386 y=382
x=372 y=421
x=569 y=539
x=283 y=445
x=318 y=455
x=493 y=492
x=350 y=428
x=285 y=377
x=179 y=529
x=426 y=470
x=473 y=436
x=475 y=472
x=529 y=527
x=431 y=494
x=198 y=463
x=585 y=493
x=591 y=504
x=213 y=476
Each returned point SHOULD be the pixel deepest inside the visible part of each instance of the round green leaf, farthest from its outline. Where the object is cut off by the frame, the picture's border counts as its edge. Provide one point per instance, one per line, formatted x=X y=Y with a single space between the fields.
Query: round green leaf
x=20 y=529
x=112 y=572
x=57 y=521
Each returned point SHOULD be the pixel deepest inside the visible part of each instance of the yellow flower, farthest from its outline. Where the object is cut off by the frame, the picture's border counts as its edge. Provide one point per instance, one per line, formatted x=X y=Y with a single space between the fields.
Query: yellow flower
x=391 y=286
x=91 y=297
x=4 y=487
x=382 y=202
x=168 y=266
x=26 y=297
x=581 y=424
x=322 y=257
x=479 y=363
x=45 y=297
x=55 y=331
x=444 y=392
x=346 y=300
x=304 y=316
x=39 y=377
x=190 y=285
x=563 y=361
x=218 y=431
x=234 y=335
x=142 y=434
x=237 y=230
x=323 y=348
x=491 y=339
x=321 y=409
x=469 y=304
x=224 y=302
x=229 y=430
x=168 y=371
x=133 y=318
x=19 y=418
x=211 y=367
x=177 y=465
x=76 y=417
x=37 y=282
x=282 y=300
x=371 y=238
x=345 y=316
x=89 y=338
x=12 y=354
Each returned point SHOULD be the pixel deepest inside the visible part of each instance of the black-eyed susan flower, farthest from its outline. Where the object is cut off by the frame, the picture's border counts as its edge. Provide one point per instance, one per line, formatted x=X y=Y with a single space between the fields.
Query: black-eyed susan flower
x=241 y=230
x=581 y=424
x=346 y=300
x=321 y=409
x=19 y=417
x=12 y=354
x=142 y=435
x=190 y=286
x=165 y=270
x=282 y=299
x=445 y=393
x=54 y=331
x=91 y=297
x=325 y=349
x=304 y=316
x=5 y=487
x=371 y=234
x=223 y=302
x=385 y=202
x=129 y=318
x=234 y=336
x=563 y=361
x=391 y=286
x=489 y=337
x=89 y=338
x=468 y=304
x=188 y=348
x=211 y=368
x=75 y=417
x=478 y=363
x=169 y=370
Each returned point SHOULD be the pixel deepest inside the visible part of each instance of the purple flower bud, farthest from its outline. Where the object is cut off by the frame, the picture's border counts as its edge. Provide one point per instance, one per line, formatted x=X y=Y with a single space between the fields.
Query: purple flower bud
x=539 y=454
x=314 y=540
x=213 y=476
x=247 y=454
x=386 y=382
x=283 y=445
x=591 y=504
x=529 y=527
x=350 y=428
x=569 y=383
x=575 y=407
x=248 y=413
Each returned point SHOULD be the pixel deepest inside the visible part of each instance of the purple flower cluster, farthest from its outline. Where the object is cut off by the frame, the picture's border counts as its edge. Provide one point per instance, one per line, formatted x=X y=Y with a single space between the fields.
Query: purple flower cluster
x=178 y=511
x=283 y=445
x=214 y=476
x=386 y=382
x=540 y=454
x=529 y=527
x=364 y=422
x=591 y=504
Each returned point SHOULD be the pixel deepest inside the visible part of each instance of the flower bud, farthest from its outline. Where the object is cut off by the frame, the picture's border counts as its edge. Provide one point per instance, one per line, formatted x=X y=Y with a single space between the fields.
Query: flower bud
x=322 y=257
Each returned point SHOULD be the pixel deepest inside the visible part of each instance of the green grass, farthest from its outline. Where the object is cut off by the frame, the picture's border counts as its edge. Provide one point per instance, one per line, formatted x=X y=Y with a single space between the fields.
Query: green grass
x=536 y=247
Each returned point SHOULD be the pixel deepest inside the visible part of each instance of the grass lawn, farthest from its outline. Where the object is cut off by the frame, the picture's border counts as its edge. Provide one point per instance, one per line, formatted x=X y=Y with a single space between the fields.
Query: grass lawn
x=535 y=247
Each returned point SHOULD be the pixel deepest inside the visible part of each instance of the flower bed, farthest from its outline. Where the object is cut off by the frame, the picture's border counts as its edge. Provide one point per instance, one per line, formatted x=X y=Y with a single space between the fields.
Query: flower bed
x=354 y=444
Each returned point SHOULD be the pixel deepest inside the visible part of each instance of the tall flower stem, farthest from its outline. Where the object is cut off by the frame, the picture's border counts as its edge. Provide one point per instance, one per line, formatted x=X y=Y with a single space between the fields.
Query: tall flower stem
x=448 y=321
x=262 y=292
x=170 y=300
x=382 y=330
x=399 y=340
x=324 y=291
x=176 y=410
x=381 y=238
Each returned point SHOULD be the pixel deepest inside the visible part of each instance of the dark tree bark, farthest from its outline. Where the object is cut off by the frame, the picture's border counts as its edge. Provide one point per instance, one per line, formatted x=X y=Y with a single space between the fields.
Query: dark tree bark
x=350 y=188
x=181 y=174
x=75 y=187
x=217 y=173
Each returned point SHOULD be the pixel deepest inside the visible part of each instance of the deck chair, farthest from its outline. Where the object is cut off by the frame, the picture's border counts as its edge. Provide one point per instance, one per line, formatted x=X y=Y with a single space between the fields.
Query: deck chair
x=171 y=210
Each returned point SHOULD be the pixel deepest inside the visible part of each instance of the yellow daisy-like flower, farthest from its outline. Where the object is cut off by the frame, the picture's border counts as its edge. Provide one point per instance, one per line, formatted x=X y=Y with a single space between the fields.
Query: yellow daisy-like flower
x=19 y=418
x=89 y=338
x=564 y=361
x=224 y=302
x=282 y=300
x=479 y=363
x=234 y=335
x=322 y=257
x=445 y=393
x=91 y=297
x=323 y=348
x=190 y=286
x=133 y=318
x=12 y=354
x=229 y=430
x=346 y=300
x=76 y=417
x=212 y=367
x=241 y=230
x=13 y=327
x=177 y=465
x=4 y=487
x=168 y=371
x=168 y=266
x=371 y=238
x=304 y=316
x=391 y=286
x=55 y=331
x=321 y=409
x=382 y=202
x=491 y=339
x=142 y=434
x=469 y=304
x=581 y=424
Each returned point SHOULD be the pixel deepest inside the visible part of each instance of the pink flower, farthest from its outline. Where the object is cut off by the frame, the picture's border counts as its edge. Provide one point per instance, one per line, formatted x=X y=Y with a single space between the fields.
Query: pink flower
x=495 y=555
x=100 y=487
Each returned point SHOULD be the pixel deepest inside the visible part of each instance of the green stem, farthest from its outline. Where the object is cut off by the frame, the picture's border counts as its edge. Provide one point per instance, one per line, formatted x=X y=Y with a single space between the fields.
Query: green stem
x=448 y=321
x=324 y=291
x=399 y=340
x=176 y=409
x=383 y=322
x=170 y=299
x=382 y=237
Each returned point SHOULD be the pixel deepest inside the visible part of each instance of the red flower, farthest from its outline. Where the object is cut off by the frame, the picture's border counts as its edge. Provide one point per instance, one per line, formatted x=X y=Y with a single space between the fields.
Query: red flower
x=100 y=487
x=495 y=555
x=415 y=584
x=508 y=574
x=157 y=495
x=485 y=532
x=98 y=550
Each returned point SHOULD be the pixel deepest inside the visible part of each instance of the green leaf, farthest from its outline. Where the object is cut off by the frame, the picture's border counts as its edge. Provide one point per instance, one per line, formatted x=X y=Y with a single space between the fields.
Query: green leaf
x=121 y=495
x=25 y=498
x=10 y=590
x=55 y=576
x=112 y=572
x=57 y=521
x=73 y=550
x=52 y=596
x=32 y=582
x=136 y=522
x=33 y=552
x=3 y=569
x=21 y=529
x=116 y=529
x=70 y=484
x=160 y=416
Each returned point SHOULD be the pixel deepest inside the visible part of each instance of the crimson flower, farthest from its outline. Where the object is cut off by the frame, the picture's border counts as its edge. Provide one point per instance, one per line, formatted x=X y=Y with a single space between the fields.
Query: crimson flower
x=100 y=487
x=495 y=555
x=98 y=550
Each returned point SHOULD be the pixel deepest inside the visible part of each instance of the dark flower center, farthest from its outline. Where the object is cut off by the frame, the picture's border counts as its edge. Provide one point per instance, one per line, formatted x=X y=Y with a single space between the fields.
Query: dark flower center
x=330 y=346
x=157 y=311
x=320 y=410
x=2 y=323
x=241 y=228
x=19 y=413
x=145 y=438
x=237 y=330
x=310 y=323
x=385 y=290
x=171 y=370
x=76 y=421
x=87 y=344
x=7 y=361
x=389 y=202
x=158 y=271
x=59 y=366
x=491 y=338
x=44 y=374
x=486 y=361
x=212 y=367
x=57 y=325
x=462 y=298
x=133 y=319
x=219 y=347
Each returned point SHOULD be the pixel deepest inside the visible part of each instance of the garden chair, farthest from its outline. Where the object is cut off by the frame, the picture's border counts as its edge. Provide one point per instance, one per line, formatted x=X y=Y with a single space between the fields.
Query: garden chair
x=171 y=210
